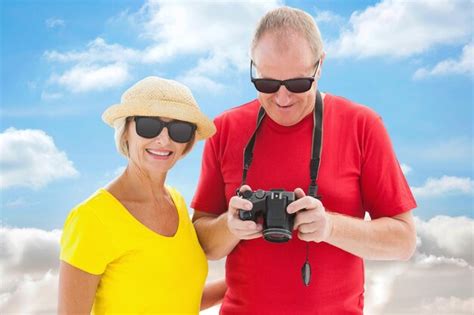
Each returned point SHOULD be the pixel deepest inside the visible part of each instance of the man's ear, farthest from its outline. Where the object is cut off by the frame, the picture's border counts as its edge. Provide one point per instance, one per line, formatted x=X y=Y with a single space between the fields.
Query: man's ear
x=323 y=55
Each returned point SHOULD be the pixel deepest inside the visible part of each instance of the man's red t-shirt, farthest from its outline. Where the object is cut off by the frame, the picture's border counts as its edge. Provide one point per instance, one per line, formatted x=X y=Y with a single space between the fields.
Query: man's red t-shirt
x=359 y=172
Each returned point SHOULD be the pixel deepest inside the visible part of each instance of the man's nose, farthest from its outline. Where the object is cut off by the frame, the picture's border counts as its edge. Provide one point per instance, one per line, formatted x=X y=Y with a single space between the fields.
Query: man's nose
x=283 y=96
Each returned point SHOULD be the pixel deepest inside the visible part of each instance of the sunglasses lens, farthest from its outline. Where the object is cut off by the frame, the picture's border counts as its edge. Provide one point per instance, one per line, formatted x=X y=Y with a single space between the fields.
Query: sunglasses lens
x=293 y=85
x=148 y=127
x=178 y=131
x=266 y=85
x=298 y=85
x=181 y=131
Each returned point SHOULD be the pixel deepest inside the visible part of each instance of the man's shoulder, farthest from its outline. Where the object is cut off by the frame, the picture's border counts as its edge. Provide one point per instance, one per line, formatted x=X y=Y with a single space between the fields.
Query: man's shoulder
x=342 y=106
x=240 y=113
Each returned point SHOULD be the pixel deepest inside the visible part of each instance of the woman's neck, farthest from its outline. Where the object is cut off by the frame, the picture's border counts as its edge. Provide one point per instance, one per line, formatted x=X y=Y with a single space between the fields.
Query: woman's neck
x=135 y=184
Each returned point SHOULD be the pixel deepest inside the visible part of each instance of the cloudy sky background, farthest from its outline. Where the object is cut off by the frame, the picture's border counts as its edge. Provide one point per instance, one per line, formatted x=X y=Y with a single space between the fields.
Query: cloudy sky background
x=63 y=63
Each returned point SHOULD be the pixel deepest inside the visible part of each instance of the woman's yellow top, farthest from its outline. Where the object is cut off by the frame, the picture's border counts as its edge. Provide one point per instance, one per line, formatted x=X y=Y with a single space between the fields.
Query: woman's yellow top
x=142 y=271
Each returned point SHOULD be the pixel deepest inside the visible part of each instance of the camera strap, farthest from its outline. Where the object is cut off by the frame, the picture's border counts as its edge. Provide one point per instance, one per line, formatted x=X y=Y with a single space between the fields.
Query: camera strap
x=313 y=166
x=315 y=148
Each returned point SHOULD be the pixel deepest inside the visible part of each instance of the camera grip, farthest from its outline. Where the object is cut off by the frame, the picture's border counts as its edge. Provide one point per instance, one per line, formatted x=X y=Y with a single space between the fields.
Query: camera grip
x=245 y=215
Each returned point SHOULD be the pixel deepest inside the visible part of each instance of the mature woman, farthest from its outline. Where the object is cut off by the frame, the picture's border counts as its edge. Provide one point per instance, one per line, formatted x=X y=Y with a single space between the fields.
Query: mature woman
x=130 y=247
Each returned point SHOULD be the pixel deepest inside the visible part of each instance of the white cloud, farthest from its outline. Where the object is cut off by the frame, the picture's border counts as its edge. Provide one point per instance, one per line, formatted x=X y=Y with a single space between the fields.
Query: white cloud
x=434 y=187
x=405 y=168
x=31 y=296
x=438 y=237
x=31 y=159
x=50 y=96
x=28 y=251
x=201 y=83
x=28 y=268
x=97 y=51
x=207 y=28
x=324 y=16
x=401 y=28
x=54 y=22
x=83 y=78
x=449 y=305
x=464 y=65
x=437 y=280
x=217 y=34
x=441 y=270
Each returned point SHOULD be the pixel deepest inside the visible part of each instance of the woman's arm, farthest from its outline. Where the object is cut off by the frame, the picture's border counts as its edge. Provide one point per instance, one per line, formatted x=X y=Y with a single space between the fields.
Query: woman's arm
x=77 y=290
x=213 y=293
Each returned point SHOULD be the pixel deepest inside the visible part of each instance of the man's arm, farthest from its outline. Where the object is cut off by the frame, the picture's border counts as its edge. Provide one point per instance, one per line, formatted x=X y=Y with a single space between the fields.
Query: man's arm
x=214 y=236
x=387 y=238
x=219 y=234
x=213 y=294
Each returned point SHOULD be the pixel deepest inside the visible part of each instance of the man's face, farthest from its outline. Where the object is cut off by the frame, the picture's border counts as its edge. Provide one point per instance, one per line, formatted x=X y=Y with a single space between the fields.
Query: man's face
x=281 y=58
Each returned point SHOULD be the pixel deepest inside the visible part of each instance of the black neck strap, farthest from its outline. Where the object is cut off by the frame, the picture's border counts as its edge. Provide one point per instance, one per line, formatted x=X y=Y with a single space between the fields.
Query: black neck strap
x=315 y=149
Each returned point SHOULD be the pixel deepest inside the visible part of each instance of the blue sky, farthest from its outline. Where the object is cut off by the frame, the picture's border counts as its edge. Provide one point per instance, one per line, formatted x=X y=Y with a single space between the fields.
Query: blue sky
x=64 y=63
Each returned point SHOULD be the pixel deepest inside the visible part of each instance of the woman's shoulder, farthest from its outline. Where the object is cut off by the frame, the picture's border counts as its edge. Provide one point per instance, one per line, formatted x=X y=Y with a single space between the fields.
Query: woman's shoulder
x=94 y=207
x=178 y=199
x=175 y=194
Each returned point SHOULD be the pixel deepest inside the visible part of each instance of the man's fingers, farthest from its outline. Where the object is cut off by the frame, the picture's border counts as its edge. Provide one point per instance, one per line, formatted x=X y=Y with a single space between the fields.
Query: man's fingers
x=244 y=188
x=244 y=229
x=303 y=203
x=308 y=227
x=241 y=225
x=299 y=193
x=252 y=236
x=237 y=203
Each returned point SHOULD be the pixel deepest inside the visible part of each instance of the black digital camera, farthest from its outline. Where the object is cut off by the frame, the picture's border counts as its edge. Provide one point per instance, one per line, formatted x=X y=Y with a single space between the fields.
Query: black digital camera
x=271 y=205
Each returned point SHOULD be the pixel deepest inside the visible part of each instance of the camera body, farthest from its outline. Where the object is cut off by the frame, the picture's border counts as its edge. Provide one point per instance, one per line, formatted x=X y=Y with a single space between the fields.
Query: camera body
x=271 y=205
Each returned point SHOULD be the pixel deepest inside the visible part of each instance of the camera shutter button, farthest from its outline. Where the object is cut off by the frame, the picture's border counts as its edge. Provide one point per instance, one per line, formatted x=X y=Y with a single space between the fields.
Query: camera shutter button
x=247 y=194
x=260 y=194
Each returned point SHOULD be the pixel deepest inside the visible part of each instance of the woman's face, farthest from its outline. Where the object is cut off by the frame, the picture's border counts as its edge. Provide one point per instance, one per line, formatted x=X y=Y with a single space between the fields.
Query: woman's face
x=154 y=155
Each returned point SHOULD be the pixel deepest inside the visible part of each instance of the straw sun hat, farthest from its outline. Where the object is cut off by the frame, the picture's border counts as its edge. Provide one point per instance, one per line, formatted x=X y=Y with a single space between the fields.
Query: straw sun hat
x=155 y=96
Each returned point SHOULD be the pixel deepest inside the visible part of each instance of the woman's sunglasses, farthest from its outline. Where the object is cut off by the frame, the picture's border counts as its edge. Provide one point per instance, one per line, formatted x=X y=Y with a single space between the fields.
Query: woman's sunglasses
x=296 y=85
x=178 y=131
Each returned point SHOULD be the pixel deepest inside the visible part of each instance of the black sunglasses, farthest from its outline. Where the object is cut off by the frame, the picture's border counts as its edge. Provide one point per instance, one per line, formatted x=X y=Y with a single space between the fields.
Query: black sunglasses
x=296 y=85
x=178 y=131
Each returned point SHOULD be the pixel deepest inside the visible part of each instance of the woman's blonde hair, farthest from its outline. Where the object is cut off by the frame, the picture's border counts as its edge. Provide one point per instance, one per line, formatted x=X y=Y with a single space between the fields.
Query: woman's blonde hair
x=285 y=20
x=121 y=143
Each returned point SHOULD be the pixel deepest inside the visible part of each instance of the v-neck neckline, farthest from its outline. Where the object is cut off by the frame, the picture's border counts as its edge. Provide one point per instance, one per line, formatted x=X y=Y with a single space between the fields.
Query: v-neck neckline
x=142 y=226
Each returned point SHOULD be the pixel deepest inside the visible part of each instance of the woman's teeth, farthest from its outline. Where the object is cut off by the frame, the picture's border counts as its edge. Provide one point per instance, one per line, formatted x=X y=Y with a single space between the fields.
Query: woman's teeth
x=159 y=153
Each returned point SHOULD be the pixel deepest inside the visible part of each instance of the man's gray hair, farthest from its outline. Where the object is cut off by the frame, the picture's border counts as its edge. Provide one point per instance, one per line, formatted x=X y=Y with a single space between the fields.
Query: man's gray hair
x=285 y=20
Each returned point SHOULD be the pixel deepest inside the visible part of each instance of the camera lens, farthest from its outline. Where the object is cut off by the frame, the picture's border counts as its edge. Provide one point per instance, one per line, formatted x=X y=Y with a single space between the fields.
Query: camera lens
x=277 y=235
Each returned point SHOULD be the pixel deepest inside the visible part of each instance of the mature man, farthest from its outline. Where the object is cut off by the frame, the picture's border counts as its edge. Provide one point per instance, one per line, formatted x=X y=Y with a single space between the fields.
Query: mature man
x=357 y=172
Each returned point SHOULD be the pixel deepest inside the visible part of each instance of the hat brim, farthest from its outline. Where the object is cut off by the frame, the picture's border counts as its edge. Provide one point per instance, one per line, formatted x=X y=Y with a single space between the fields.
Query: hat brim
x=168 y=109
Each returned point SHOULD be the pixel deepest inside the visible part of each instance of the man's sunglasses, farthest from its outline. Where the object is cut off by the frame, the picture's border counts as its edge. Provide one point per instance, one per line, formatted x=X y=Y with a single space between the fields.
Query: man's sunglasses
x=296 y=85
x=178 y=131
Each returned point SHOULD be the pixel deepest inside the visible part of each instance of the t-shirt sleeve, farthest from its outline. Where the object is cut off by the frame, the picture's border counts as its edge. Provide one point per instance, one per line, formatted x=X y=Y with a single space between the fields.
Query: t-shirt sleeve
x=385 y=191
x=85 y=243
x=210 y=192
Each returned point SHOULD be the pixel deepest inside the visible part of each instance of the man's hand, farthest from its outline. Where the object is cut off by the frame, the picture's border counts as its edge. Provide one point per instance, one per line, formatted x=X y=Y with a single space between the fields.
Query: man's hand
x=244 y=230
x=312 y=221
